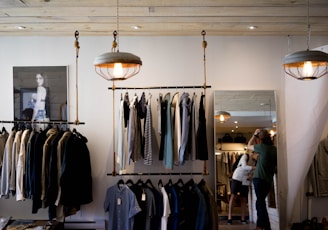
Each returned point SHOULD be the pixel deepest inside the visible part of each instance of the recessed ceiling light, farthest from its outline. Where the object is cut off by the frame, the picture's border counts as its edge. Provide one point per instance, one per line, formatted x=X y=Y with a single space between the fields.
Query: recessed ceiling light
x=252 y=27
x=21 y=27
x=136 y=27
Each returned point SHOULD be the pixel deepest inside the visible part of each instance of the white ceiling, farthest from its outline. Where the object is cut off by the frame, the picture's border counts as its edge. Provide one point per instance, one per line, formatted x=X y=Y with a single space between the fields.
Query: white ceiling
x=162 y=18
x=251 y=109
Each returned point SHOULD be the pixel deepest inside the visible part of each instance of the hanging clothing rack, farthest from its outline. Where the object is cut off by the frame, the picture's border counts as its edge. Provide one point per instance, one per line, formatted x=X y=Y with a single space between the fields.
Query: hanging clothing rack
x=204 y=87
x=162 y=87
x=113 y=88
x=155 y=174
x=232 y=150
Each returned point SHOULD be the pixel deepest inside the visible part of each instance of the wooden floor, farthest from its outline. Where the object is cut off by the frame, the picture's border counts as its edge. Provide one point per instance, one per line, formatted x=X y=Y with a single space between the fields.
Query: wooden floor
x=223 y=217
x=225 y=226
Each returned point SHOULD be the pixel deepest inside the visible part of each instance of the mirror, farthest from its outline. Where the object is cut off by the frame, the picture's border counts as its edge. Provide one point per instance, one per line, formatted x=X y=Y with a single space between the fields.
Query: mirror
x=244 y=111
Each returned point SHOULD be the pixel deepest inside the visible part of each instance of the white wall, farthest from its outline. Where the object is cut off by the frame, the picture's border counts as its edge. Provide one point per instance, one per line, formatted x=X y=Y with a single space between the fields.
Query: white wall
x=233 y=63
x=306 y=118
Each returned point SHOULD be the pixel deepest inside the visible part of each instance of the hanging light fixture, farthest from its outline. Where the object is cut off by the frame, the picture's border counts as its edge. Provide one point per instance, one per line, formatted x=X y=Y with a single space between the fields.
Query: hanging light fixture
x=117 y=65
x=222 y=116
x=308 y=64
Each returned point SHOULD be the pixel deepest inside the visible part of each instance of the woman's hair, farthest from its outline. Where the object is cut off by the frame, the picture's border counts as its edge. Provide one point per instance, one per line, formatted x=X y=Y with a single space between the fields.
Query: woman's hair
x=265 y=137
x=45 y=78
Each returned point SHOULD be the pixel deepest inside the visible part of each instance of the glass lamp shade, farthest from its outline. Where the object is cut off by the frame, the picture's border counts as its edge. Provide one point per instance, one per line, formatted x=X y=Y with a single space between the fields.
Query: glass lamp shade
x=222 y=116
x=114 y=66
x=306 y=65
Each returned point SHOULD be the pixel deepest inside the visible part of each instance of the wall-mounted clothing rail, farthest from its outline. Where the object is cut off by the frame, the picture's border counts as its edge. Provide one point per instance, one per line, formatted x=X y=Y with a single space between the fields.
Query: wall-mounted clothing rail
x=235 y=150
x=55 y=122
x=155 y=174
x=162 y=87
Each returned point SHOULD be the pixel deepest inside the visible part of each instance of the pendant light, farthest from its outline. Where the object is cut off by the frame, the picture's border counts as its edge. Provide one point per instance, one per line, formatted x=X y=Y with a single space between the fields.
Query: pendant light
x=117 y=65
x=222 y=116
x=308 y=64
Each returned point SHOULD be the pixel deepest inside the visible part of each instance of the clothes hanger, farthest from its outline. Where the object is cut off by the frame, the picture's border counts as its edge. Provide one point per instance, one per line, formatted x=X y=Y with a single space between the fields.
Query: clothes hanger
x=169 y=183
x=149 y=97
x=176 y=93
x=202 y=182
x=167 y=96
x=149 y=184
x=179 y=182
x=190 y=183
x=140 y=183
x=160 y=97
x=3 y=131
x=129 y=182
x=160 y=183
x=120 y=183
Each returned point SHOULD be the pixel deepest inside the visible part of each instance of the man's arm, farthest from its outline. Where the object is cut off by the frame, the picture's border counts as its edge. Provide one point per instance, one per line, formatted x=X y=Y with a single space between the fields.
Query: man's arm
x=253 y=140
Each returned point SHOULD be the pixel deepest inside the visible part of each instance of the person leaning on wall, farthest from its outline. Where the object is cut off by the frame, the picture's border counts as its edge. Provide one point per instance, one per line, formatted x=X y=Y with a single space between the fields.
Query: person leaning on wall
x=266 y=155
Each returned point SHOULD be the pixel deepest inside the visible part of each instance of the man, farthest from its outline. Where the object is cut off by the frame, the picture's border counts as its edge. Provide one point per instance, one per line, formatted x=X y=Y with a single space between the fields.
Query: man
x=266 y=154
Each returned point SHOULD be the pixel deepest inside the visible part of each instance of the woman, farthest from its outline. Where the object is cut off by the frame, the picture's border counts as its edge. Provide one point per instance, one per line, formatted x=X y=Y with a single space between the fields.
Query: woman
x=239 y=186
x=39 y=111
x=263 y=175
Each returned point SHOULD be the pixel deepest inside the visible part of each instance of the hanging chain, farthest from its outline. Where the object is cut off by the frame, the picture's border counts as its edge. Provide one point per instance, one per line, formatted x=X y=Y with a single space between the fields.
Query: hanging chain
x=288 y=44
x=204 y=45
x=113 y=124
x=77 y=47
x=117 y=25
x=308 y=25
x=114 y=44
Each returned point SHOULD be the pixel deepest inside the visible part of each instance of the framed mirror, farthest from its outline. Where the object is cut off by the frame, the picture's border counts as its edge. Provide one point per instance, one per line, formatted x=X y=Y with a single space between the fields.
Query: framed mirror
x=236 y=116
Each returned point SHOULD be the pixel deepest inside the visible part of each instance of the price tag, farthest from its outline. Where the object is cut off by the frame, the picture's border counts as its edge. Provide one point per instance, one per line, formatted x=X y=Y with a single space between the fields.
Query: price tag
x=143 y=196
x=119 y=201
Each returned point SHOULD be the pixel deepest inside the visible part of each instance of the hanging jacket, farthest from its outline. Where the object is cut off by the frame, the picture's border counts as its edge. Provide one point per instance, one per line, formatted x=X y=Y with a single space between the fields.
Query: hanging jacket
x=168 y=137
x=76 y=178
x=175 y=108
x=202 y=149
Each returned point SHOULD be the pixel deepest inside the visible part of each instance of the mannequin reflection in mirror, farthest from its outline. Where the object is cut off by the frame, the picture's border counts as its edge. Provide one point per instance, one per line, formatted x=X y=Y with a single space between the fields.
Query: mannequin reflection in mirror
x=239 y=186
x=266 y=166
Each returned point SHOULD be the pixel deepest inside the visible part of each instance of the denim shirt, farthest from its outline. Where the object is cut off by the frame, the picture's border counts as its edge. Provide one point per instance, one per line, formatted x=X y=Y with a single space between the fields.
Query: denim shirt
x=121 y=205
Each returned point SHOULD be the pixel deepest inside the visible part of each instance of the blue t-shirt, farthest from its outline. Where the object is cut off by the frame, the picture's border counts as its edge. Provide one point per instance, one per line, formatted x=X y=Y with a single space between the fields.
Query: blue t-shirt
x=121 y=205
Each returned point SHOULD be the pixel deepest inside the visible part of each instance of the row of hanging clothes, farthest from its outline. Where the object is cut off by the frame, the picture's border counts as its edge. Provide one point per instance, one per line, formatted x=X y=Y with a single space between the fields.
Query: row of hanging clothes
x=51 y=166
x=224 y=163
x=143 y=206
x=180 y=129
x=228 y=158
